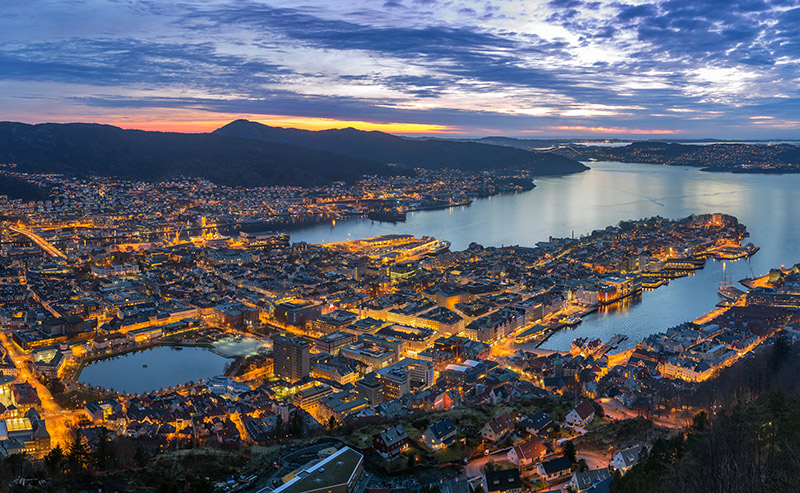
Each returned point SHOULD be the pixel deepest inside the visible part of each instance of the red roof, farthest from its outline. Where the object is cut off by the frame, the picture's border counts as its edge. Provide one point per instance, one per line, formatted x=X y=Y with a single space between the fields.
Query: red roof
x=585 y=409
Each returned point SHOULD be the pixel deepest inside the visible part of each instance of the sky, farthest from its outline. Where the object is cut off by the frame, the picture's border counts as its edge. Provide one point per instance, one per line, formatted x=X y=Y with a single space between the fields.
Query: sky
x=524 y=68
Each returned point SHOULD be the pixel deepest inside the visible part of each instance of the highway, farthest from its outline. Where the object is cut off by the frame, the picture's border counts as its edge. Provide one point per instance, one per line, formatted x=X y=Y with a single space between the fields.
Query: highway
x=40 y=242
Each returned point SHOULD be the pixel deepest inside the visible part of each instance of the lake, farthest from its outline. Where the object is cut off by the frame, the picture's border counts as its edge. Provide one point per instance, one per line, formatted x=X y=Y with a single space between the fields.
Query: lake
x=603 y=196
x=166 y=367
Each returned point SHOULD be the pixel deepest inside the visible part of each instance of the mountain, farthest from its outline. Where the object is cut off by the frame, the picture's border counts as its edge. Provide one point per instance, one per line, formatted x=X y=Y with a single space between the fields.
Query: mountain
x=411 y=153
x=90 y=149
x=729 y=157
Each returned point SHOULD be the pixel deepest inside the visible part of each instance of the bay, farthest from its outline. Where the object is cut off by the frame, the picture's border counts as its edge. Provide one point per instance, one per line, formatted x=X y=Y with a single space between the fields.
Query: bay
x=602 y=196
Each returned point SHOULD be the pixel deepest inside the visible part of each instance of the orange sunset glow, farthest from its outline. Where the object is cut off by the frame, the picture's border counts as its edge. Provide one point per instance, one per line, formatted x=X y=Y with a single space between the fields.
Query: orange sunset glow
x=205 y=124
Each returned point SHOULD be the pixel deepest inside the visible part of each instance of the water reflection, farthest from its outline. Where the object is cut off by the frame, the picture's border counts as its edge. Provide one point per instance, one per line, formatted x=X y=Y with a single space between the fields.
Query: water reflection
x=603 y=196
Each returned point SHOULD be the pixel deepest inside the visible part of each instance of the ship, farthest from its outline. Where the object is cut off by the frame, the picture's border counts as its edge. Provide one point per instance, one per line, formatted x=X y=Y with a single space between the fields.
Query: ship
x=726 y=289
x=387 y=216
x=439 y=247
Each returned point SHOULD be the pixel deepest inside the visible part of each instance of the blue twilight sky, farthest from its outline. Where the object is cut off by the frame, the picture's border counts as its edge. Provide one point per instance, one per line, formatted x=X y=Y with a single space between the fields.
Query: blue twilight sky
x=684 y=69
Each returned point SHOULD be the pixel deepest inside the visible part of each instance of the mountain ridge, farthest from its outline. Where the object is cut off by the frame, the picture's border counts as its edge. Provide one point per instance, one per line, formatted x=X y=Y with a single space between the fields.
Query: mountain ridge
x=412 y=153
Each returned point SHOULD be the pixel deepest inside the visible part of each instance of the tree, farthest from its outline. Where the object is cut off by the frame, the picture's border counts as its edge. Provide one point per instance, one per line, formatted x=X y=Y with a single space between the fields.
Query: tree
x=279 y=425
x=780 y=350
x=140 y=457
x=202 y=485
x=332 y=423
x=54 y=460
x=598 y=409
x=78 y=454
x=104 y=455
x=569 y=451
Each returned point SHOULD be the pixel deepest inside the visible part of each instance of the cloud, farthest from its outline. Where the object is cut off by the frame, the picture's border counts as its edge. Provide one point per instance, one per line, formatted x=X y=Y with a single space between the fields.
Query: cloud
x=465 y=64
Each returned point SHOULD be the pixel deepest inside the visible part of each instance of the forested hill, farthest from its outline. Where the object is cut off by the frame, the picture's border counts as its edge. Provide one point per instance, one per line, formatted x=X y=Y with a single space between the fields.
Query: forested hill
x=411 y=153
x=90 y=149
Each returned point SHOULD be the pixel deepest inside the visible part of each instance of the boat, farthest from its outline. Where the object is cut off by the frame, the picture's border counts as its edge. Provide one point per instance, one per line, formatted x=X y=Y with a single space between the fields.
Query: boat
x=144 y=365
x=726 y=289
x=439 y=246
x=388 y=216
x=573 y=321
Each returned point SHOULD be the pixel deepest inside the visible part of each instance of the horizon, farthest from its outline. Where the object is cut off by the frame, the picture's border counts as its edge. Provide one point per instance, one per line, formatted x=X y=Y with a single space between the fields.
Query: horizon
x=344 y=125
x=554 y=69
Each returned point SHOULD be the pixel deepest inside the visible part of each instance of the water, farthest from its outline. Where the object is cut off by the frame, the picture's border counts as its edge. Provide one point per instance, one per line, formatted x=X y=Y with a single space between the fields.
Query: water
x=166 y=367
x=603 y=196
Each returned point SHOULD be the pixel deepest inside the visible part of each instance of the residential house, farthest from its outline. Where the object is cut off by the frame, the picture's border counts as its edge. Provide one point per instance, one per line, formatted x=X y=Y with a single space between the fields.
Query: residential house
x=391 y=442
x=537 y=423
x=583 y=481
x=627 y=458
x=503 y=481
x=439 y=435
x=527 y=453
x=497 y=428
x=554 y=469
x=582 y=415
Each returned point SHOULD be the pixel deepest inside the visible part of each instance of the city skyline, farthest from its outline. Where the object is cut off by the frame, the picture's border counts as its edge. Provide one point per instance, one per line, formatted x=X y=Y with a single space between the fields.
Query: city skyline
x=558 y=69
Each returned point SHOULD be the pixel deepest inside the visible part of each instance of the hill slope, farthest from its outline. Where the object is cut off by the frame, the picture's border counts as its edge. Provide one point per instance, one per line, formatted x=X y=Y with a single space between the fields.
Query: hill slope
x=90 y=149
x=387 y=148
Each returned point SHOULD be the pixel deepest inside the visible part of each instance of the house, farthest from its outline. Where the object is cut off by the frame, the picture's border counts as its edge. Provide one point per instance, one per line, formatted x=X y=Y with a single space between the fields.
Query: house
x=497 y=428
x=537 y=423
x=102 y=409
x=504 y=481
x=627 y=458
x=582 y=415
x=439 y=435
x=391 y=442
x=584 y=481
x=527 y=453
x=554 y=469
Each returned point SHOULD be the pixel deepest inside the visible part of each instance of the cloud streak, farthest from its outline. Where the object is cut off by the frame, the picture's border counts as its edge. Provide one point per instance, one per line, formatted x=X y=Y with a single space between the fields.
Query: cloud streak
x=697 y=69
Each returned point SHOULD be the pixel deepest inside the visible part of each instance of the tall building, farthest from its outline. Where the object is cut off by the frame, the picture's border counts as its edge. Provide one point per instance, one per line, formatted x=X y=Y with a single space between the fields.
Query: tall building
x=292 y=359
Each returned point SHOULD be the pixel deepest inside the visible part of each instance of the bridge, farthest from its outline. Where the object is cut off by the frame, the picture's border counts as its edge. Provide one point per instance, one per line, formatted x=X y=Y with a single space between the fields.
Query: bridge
x=40 y=242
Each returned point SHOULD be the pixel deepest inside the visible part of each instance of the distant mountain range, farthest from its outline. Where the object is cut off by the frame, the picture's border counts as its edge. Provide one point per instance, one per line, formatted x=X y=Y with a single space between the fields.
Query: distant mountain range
x=735 y=158
x=410 y=153
x=245 y=153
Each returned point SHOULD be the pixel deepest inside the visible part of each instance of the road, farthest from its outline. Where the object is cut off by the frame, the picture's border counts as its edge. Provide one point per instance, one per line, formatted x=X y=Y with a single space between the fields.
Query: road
x=616 y=410
x=594 y=460
x=57 y=419
x=41 y=242
x=474 y=468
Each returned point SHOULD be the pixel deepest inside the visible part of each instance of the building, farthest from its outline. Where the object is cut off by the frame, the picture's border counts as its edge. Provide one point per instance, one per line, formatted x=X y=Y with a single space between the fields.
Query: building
x=527 y=453
x=331 y=343
x=391 y=442
x=297 y=313
x=586 y=480
x=291 y=358
x=395 y=381
x=340 y=472
x=334 y=321
x=625 y=459
x=340 y=405
x=582 y=415
x=503 y=481
x=309 y=399
x=554 y=469
x=370 y=388
x=25 y=396
x=439 y=435
x=537 y=422
x=497 y=428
